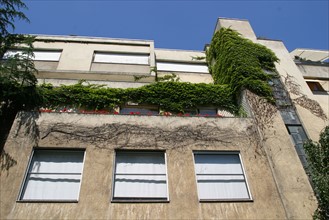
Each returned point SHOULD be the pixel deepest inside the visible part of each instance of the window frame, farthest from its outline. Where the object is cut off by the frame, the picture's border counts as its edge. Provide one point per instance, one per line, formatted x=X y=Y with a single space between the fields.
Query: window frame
x=210 y=152
x=24 y=180
x=315 y=86
x=141 y=199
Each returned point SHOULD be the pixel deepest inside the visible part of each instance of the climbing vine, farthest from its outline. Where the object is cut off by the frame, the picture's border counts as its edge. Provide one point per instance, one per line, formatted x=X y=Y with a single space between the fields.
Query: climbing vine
x=170 y=96
x=240 y=63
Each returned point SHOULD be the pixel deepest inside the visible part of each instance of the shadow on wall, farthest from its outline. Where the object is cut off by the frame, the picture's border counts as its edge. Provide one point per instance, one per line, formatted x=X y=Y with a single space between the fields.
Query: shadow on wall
x=26 y=119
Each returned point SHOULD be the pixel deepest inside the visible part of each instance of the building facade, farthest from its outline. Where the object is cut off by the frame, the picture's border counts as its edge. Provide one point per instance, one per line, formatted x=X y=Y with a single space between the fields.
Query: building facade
x=203 y=165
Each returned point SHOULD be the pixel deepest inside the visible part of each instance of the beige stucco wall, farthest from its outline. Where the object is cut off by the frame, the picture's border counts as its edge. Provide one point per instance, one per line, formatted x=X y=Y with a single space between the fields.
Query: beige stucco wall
x=76 y=60
x=290 y=73
x=178 y=136
x=77 y=53
x=314 y=71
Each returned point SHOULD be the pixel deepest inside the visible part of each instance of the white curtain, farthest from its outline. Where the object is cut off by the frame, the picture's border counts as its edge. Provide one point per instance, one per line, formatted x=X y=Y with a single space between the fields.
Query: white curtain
x=140 y=175
x=182 y=67
x=38 y=55
x=220 y=176
x=121 y=58
x=47 y=55
x=54 y=175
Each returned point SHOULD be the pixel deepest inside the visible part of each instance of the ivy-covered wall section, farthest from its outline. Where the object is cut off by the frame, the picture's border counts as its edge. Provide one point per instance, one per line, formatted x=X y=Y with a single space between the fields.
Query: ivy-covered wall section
x=169 y=96
x=240 y=63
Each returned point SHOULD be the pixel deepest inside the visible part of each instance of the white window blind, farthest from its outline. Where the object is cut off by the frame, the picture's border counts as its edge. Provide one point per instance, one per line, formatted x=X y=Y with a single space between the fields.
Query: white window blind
x=220 y=176
x=47 y=55
x=53 y=175
x=182 y=67
x=140 y=175
x=38 y=55
x=121 y=58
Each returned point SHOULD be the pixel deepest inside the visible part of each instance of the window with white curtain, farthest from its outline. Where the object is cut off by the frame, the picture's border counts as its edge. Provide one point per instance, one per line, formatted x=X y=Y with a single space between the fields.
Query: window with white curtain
x=220 y=176
x=53 y=175
x=140 y=176
x=122 y=58
x=182 y=67
x=39 y=55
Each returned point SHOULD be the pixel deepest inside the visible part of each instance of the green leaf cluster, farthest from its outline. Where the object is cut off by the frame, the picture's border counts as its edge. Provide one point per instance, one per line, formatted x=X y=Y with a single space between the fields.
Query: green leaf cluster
x=240 y=63
x=318 y=158
x=170 y=96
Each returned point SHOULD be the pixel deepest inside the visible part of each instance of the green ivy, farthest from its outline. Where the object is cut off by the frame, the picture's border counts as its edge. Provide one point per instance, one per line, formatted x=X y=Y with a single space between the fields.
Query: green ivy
x=318 y=158
x=240 y=63
x=170 y=96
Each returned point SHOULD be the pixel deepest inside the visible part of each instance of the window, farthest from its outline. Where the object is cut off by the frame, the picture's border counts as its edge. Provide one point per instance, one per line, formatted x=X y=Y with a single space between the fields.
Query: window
x=123 y=58
x=140 y=176
x=53 y=175
x=208 y=111
x=315 y=86
x=298 y=137
x=139 y=110
x=182 y=67
x=220 y=176
x=41 y=55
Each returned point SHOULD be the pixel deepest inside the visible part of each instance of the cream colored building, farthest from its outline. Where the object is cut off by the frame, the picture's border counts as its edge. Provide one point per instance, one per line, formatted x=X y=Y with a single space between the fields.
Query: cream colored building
x=94 y=166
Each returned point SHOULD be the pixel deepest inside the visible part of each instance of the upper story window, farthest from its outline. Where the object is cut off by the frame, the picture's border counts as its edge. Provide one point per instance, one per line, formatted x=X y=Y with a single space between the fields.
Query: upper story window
x=182 y=67
x=53 y=175
x=140 y=176
x=315 y=86
x=220 y=176
x=121 y=58
x=39 y=55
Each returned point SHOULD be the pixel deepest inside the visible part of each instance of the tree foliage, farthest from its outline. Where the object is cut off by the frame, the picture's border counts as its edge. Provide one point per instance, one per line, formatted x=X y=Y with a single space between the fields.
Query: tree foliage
x=318 y=158
x=17 y=73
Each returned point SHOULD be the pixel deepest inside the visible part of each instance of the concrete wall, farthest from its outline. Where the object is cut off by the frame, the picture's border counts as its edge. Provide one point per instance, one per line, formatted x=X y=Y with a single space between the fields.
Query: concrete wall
x=178 y=136
x=314 y=71
x=77 y=60
x=299 y=90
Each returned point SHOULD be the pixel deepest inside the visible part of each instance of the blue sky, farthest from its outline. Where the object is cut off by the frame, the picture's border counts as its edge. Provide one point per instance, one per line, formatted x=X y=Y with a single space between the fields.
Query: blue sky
x=179 y=24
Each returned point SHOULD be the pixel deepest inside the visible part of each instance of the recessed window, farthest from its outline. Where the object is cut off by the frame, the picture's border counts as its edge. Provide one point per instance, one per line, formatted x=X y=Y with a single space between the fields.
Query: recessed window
x=220 y=176
x=207 y=111
x=53 y=175
x=139 y=110
x=182 y=67
x=140 y=176
x=39 y=55
x=315 y=86
x=121 y=58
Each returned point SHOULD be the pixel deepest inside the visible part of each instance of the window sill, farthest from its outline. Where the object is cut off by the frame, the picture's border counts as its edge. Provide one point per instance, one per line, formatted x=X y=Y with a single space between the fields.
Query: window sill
x=140 y=201
x=225 y=200
x=47 y=201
